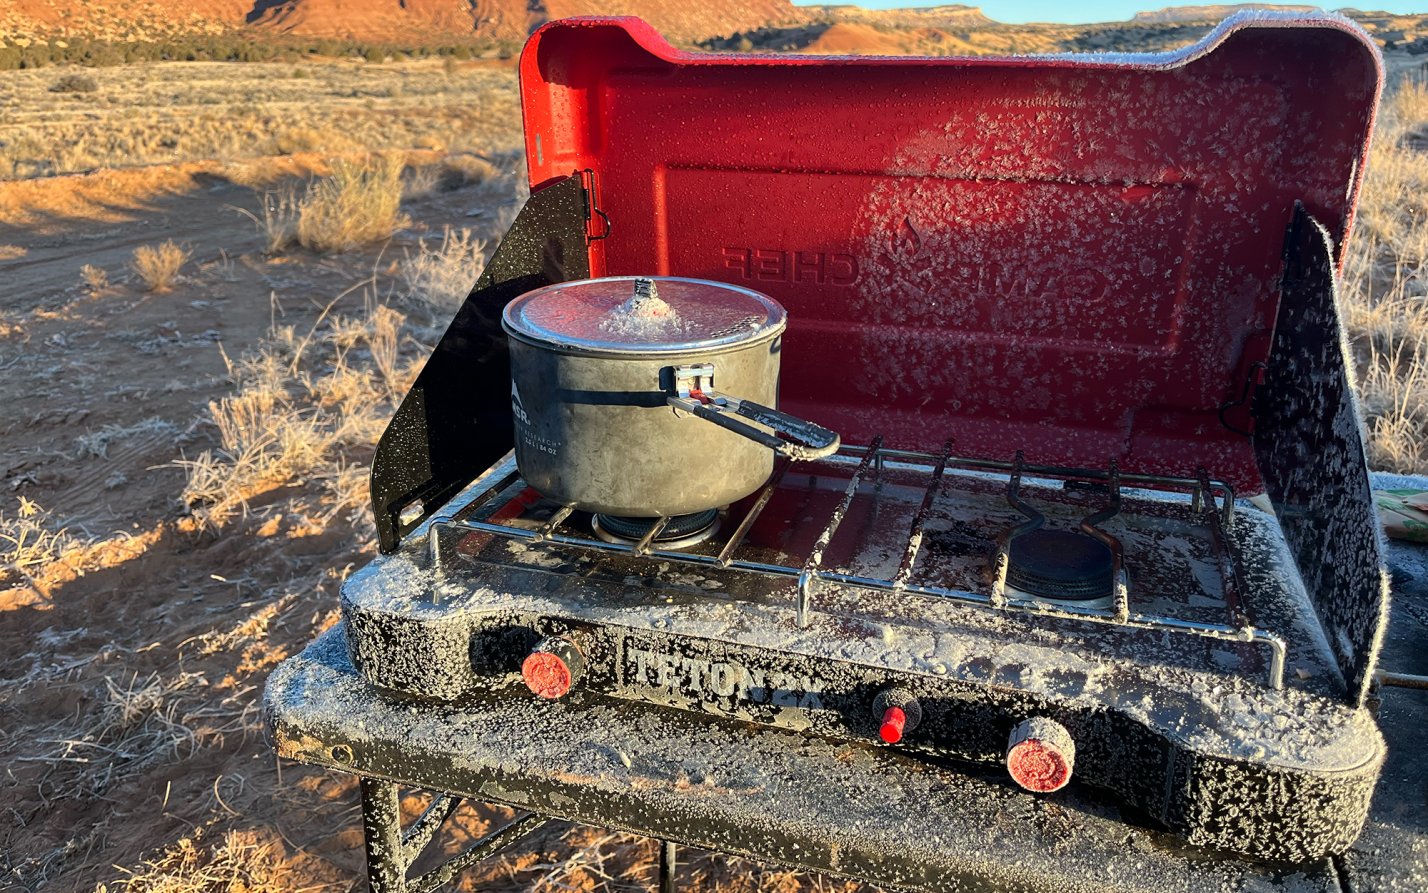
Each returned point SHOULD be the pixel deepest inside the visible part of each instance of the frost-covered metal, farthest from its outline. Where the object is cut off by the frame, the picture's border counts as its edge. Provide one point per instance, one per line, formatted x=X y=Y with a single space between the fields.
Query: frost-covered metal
x=1062 y=310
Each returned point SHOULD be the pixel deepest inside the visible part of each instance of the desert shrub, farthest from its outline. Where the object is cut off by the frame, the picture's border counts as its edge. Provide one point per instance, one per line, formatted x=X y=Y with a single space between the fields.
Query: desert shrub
x=438 y=279
x=94 y=277
x=358 y=204
x=1386 y=284
x=422 y=180
x=158 y=265
x=285 y=424
x=307 y=139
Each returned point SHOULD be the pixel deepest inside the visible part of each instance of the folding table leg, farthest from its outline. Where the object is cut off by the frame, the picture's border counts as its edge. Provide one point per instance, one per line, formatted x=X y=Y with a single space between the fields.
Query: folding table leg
x=382 y=829
x=667 y=863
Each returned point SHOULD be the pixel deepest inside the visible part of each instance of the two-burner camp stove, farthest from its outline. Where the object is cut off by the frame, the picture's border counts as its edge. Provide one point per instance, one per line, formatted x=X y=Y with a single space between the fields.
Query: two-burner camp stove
x=1062 y=311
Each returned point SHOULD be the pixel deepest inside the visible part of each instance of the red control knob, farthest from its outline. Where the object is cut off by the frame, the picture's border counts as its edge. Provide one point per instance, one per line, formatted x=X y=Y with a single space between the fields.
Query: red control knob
x=897 y=713
x=1041 y=755
x=894 y=721
x=553 y=668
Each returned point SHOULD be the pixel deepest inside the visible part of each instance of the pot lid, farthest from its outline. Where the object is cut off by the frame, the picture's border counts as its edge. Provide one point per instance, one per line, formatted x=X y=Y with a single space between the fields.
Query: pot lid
x=632 y=314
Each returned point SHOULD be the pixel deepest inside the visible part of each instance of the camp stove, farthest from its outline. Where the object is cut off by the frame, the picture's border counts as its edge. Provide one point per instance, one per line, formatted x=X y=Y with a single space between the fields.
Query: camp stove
x=1068 y=315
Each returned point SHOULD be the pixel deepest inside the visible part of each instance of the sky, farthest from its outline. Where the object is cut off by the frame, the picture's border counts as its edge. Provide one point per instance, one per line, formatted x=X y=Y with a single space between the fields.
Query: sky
x=1095 y=10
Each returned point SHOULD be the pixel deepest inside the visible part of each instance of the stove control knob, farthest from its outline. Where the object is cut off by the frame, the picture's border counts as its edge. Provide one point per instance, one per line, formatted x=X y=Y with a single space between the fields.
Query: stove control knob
x=553 y=668
x=1041 y=755
x=897 y=712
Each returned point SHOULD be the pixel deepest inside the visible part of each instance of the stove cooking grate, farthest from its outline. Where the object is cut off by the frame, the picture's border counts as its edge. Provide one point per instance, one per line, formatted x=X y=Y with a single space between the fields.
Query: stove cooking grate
x=1211 y=500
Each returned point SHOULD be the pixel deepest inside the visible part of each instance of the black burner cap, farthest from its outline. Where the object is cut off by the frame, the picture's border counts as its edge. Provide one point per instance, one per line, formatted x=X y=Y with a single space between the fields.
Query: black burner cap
x=1064 y=565
x=679 y=526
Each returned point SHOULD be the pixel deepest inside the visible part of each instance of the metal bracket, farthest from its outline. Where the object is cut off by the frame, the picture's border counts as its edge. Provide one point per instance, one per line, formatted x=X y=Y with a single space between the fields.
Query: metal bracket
x=1254 y=377
x=392 y=850
x=689 y=380
x=597 y=222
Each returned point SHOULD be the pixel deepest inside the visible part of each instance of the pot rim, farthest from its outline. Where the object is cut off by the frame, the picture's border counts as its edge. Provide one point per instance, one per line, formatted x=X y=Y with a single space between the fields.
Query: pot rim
x=768 y=330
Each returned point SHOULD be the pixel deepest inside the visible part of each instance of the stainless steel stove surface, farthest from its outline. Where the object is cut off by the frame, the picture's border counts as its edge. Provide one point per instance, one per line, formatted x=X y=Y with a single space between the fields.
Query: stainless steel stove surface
x=880 y=574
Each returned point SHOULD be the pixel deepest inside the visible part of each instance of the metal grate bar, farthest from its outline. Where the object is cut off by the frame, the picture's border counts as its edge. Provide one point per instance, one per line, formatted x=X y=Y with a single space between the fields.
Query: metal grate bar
x=555 y=521
x=809 y=576
x=736 y=539
x=1091 y=525
x=1153 y=481
x=1229 y=571
x=643 y=546
x=874 y=456
x=914 y=537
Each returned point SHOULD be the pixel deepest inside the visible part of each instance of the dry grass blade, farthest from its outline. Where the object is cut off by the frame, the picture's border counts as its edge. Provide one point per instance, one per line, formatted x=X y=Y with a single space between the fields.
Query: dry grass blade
x=158 y=265
x=29 y=542
x=286 y=424
x=439 y=279
x=359 y=204
x=137 y=724
x=240 y=863
x=1386 y=284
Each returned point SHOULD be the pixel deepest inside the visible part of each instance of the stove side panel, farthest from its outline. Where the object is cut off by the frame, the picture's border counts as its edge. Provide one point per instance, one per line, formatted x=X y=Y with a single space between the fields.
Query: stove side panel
x=1309 y=442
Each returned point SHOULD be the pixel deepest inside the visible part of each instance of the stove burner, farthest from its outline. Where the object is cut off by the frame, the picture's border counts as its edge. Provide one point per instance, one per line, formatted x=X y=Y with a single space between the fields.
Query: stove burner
x=681 y=531
x=1061 y=565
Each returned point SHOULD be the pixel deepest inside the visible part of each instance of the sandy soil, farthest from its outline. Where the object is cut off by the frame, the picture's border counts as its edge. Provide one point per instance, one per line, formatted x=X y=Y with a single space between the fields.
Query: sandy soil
x=129 y=680
x=103 y=392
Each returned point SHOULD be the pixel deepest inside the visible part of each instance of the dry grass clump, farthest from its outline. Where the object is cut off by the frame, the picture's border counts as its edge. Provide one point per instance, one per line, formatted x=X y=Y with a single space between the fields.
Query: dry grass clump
x=439 y=279
x=422 y=180
x=30 y=541
x=160 y=113
x=1386 y=284
x=240 y=863
x=97 y=278
x=75 y=83
x=133 y=725
x=359 y=204
x=286 y=424
x=158 y=265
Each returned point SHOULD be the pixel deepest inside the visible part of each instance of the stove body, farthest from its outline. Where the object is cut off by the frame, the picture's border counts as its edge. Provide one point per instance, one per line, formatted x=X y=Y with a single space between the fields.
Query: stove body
x=1074 y=303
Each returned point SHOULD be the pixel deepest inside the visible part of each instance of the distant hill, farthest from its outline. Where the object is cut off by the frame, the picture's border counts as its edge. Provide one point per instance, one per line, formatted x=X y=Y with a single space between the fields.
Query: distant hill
x=390 y=21
x=744 y=25
x=949 y=16
x=1209 y=13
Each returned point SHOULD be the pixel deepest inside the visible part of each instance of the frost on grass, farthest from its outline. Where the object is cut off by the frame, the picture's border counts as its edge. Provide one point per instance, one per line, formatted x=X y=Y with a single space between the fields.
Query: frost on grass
x=30 y=541
x=1386 y=284
x=240 y=861
x=439 y=278
x=358 y=204
x=303 y=407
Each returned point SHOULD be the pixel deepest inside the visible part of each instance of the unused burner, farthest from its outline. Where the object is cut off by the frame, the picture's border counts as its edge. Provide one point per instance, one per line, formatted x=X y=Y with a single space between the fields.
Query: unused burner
x=681 y=531
x=1062 y=565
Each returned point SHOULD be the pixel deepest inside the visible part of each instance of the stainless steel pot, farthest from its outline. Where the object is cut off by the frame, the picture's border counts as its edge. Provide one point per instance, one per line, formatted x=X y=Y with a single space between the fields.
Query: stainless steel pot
x=650 y=397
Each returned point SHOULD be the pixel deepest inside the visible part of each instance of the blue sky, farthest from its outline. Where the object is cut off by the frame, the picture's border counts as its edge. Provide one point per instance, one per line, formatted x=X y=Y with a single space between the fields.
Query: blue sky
x=1094 y=10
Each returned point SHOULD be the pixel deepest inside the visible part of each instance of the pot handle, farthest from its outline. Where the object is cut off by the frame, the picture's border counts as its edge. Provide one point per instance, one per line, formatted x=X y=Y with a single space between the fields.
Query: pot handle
x=805 y=440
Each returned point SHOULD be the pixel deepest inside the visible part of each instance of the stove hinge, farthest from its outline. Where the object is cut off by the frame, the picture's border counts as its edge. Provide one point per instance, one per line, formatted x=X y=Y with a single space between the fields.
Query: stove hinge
x=1238 y=415
x=597 y=222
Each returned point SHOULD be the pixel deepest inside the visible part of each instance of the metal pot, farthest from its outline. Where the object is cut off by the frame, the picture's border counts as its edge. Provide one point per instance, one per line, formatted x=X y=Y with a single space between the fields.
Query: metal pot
x=650 y=397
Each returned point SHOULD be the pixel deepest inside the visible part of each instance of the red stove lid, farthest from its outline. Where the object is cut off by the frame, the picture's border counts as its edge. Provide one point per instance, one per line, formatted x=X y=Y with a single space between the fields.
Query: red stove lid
x=1076 y=256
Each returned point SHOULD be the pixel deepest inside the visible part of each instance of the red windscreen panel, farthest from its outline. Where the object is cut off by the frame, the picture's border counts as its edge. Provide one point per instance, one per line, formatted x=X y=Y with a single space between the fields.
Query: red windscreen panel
x=1078 y=257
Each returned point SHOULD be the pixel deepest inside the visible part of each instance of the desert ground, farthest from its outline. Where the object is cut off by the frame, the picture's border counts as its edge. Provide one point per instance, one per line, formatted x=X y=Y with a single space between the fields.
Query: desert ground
x=218 y=281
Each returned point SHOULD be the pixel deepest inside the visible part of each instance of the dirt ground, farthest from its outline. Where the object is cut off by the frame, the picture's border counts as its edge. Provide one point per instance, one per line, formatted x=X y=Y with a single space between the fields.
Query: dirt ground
x=132 y=662
x=130 y=669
